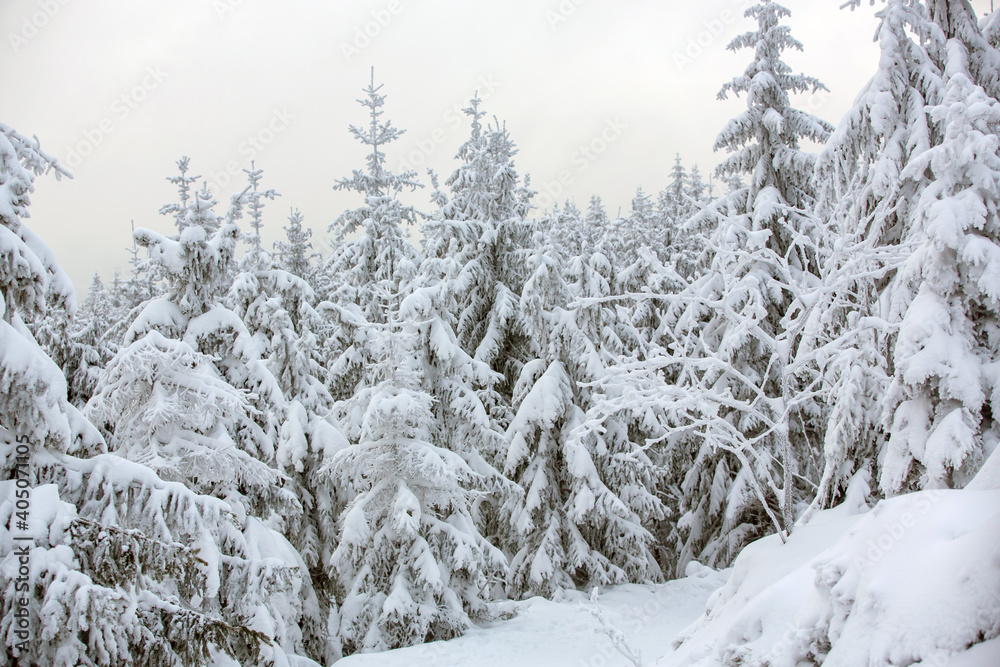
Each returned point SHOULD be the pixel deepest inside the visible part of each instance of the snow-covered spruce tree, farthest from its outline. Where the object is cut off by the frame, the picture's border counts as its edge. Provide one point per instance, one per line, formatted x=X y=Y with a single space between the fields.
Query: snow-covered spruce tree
x=644 y=286
x=564 y=226
x=380 y=260
x=98 y=309
x=639 y=229
x=276 y=307
x=867 y=193
x=295 y=254
x=957 y=20
x=990 y=26
x=698 y=191
x=33 y=390
x=748 y=422
x=197 y=265
x=618 y=440
x=941 y=407
x=469 y=402
x=123 y=566
x=458 y=384
x=131 y=294
x=191 y=397
x=587 y=490
x=673 y=206
x=76 y=341
x=180 y=209
x=596 y=224
x=410 y=561
x=483 y=230
x=177 y=415
x=685 y=231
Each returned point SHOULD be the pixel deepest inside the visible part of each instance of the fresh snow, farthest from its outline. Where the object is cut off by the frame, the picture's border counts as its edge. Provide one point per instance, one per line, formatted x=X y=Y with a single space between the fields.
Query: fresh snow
x=567 y=632
x=914 y=580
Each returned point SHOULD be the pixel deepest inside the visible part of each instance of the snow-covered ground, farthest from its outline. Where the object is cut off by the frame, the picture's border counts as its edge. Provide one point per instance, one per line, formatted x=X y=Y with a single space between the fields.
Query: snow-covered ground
x=914 y=580
x=567 y=633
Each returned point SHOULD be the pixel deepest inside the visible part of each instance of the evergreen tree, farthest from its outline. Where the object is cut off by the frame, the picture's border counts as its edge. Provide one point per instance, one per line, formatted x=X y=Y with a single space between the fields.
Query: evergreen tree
x=483 y=234
x=687 y=232
x=381 y=260
x=34 y=402
x=736 y=338
x=640 y=229
x=565 y=227
x=867 y=192
x=190 y=396
x=125 y=566
x=957 y=20
x=76 y=341
x=587 y=489
x=942 y=400
x=197 y=265
x=276 y=307
x=673 y=207
x=410 y=561
x=697 y=191
x=295 y=254
x=596 y=224
x=990 y=25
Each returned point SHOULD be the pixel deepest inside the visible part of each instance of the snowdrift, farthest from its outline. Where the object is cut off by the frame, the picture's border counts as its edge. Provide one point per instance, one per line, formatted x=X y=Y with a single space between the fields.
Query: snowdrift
x=913 y=581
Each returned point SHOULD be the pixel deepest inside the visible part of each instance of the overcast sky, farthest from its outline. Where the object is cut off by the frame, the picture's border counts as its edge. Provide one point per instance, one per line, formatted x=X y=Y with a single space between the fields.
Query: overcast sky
x=118 y=90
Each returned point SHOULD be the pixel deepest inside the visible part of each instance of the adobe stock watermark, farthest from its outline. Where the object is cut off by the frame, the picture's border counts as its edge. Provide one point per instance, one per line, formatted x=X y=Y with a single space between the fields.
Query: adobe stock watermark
x=710 y=31
x=121 y=108
x=581 y=159
x=562 y=13
x=878 y=547
x=453 y=118
x=32 y=24
x=225 y=7
x=251 y=147
x=365 y=34
x=816 y=100
x=19 y=525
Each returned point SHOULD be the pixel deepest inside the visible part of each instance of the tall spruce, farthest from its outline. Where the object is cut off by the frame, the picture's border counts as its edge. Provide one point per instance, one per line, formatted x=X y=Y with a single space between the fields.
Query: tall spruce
x=751 y=421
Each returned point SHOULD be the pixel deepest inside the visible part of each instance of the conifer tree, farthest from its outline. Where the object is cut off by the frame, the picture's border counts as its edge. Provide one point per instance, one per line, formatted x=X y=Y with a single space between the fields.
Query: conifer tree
x=277 y=308
x=295 y=254
x=126 y=567
x=190 y=396
x=867 y=192
x=942 y=400
x=596 y=225
x=197 y=265
x=957 y=20
x=587 y=488
x=380 y=260
x=410 y=561
x=565 y=227
x=484 y=235
x=736 y=339
x=640 y=229
x=76 y=341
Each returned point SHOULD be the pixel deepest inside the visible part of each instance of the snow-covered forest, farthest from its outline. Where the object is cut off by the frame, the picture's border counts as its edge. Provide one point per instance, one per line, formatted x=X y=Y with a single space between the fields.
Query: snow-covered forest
x=396 y=430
